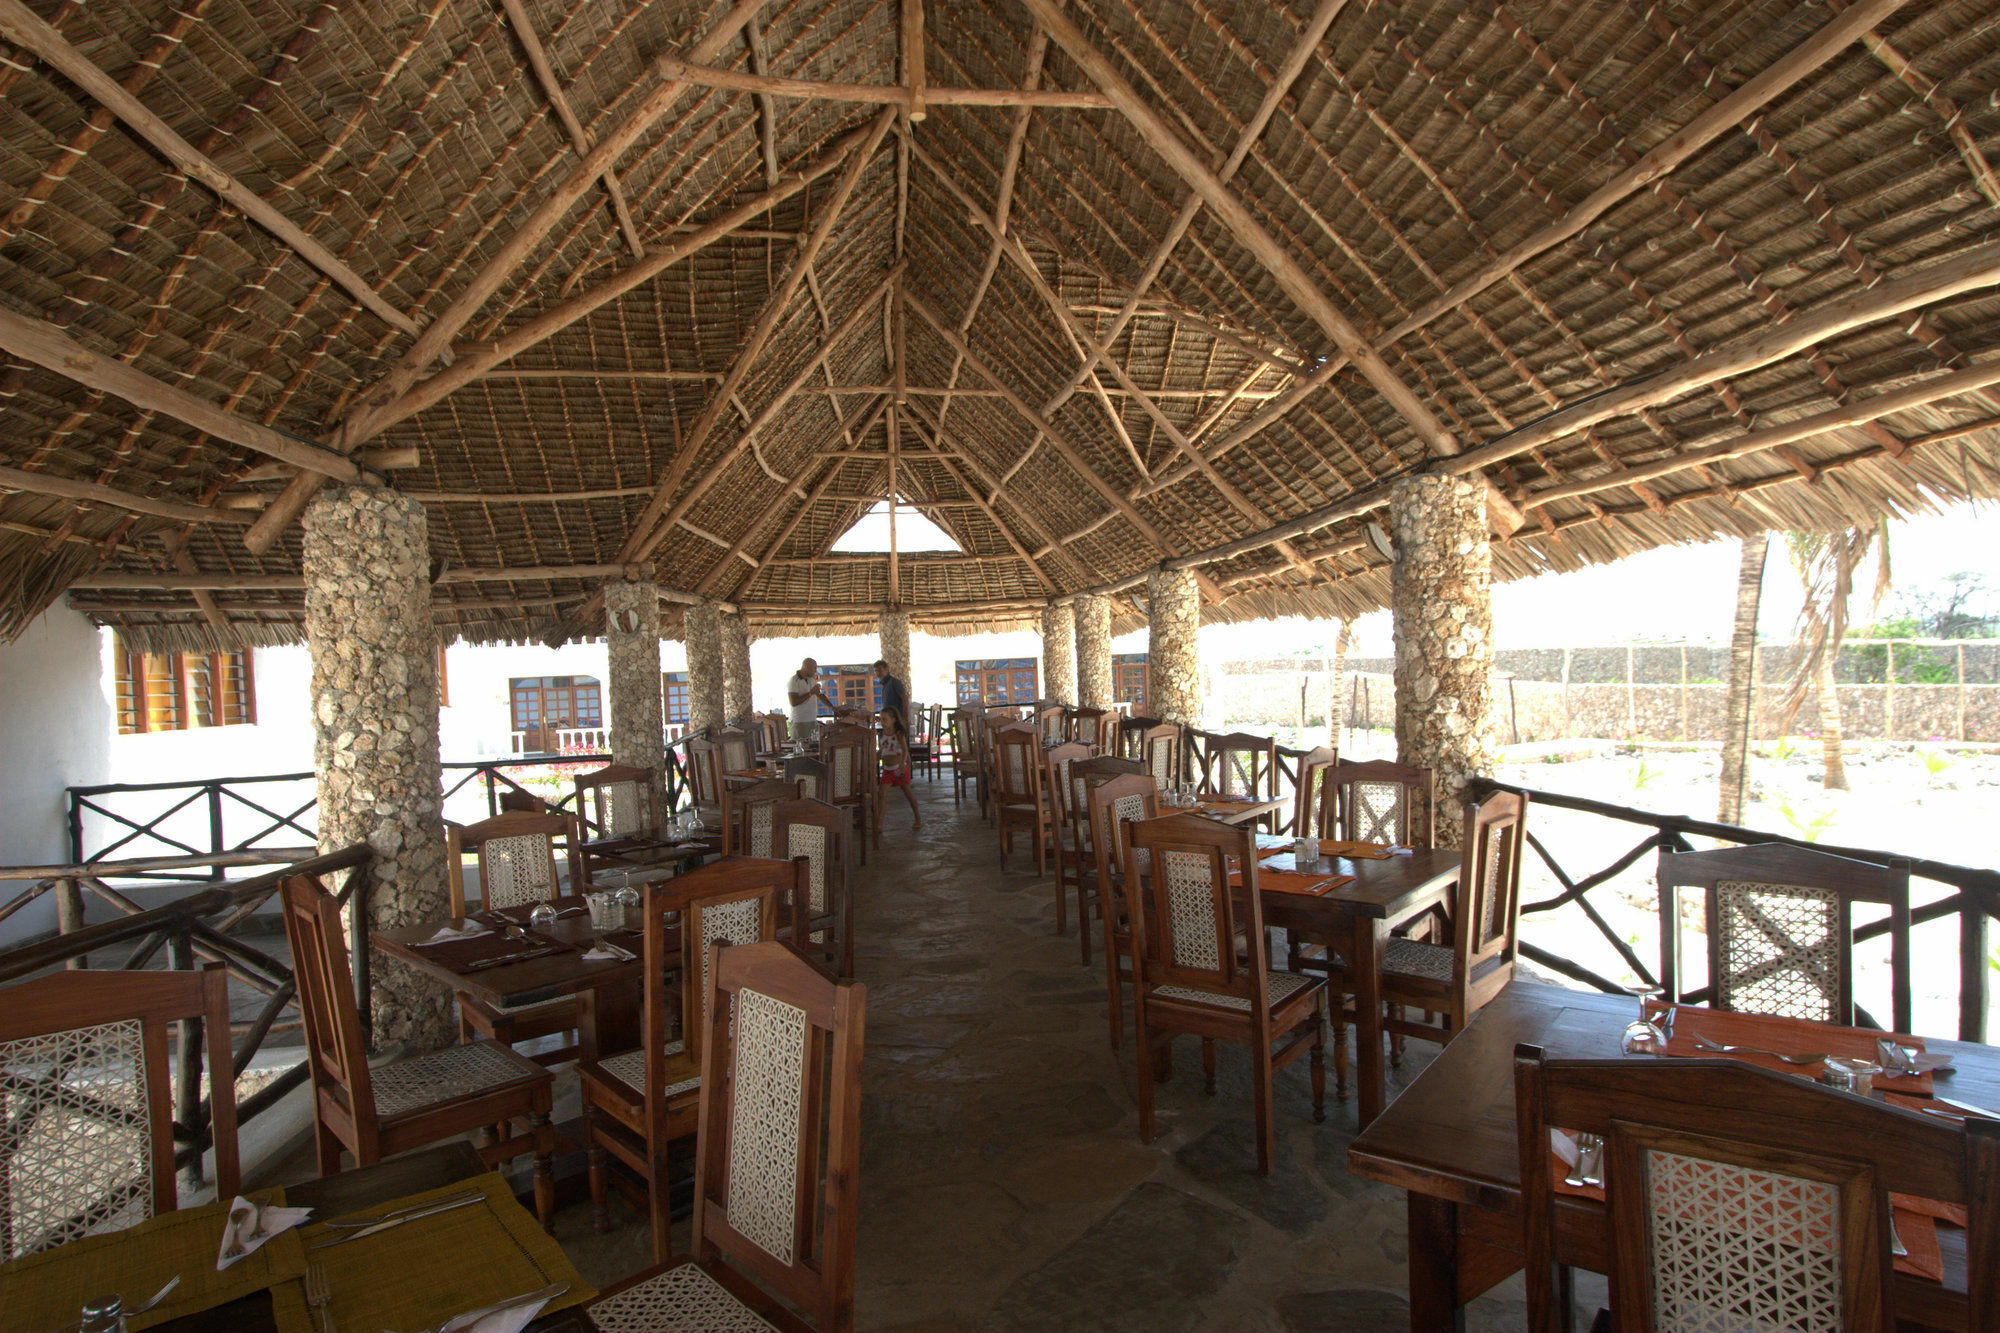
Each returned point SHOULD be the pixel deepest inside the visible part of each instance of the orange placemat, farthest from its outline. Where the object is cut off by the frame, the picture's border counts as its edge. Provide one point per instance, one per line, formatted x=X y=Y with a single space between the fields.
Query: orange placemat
x=1791 y=1035
x=1283 y=882
x=1358 y=851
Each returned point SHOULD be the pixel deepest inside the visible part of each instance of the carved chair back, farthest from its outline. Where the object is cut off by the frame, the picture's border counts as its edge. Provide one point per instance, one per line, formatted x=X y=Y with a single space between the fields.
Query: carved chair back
x=516 y=858
x=1781 y=928
x=1187 y=917
x=778 y=1154
x=1162 y=750
x=1379 y=800
x=618 y=801
x=86 y=1100
x=1241 y=766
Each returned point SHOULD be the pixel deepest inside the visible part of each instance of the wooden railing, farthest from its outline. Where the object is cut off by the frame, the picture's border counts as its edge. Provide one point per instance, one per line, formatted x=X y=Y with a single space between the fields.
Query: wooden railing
x=201 y=927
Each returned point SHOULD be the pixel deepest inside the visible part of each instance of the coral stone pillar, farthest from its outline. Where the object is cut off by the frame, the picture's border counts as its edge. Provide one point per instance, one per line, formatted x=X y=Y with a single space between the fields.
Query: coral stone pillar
x=892 y=634
x=1093 y=651
x=701 y=627
x=1059 y=653
x=1443 y=605
x=735 y=632
x=1173 y=673
x=375 y=729
x=632 y=643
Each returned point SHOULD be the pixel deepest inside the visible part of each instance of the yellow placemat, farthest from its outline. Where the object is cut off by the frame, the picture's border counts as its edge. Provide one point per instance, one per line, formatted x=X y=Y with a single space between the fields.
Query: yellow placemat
x=423 y=1272
x=47 y=1290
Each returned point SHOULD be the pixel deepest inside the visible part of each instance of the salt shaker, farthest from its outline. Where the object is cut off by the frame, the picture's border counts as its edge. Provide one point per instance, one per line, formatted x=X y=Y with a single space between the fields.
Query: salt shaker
x=1305 y=853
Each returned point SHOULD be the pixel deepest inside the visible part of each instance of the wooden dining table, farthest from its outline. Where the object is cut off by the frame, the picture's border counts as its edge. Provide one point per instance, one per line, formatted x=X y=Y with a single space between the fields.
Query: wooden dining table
x=1450 y=1141
x=607 y=992
x=1354 y=920
x=1232 y=809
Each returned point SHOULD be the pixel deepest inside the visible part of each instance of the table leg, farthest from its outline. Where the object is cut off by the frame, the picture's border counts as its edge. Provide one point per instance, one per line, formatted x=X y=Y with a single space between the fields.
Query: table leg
x=1434 y=1303
x=1366 y=944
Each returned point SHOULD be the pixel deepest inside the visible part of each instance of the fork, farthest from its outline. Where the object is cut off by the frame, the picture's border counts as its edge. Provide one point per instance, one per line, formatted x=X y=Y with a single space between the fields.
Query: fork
x=319 y=1294
x=1587 y=1146
x=1704 y=1044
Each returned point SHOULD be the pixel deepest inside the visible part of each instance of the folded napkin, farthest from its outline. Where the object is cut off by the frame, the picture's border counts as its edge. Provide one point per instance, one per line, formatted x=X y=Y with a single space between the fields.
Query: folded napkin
x=250 y=1225
x=510 y=1320
x=471 y=930
x=606 y=953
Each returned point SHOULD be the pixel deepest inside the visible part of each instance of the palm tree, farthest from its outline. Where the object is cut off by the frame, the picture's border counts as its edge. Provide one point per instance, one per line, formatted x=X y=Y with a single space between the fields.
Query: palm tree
x=1826 y=563
x=1742 y=673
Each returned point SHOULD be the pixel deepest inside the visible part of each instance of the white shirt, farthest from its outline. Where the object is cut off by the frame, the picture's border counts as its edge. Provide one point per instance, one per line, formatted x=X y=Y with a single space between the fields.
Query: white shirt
x=807 y=713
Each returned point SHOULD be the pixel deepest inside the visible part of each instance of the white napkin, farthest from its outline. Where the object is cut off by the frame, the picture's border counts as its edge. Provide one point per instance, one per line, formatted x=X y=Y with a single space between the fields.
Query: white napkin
x=606 y=953
x=510 y=1320
x=471 y=930
x=1565 y=1148
x=254 y=1225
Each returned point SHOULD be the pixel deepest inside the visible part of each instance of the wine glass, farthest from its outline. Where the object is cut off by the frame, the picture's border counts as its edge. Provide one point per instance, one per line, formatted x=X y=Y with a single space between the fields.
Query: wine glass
x=1642 y=1036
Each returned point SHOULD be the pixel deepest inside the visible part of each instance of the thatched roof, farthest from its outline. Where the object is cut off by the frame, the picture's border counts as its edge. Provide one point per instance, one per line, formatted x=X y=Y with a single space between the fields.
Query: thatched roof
x=1321 y=244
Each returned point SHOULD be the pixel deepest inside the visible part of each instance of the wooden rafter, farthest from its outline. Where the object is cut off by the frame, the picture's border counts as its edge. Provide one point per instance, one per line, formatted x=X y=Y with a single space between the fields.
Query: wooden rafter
x=552 y=89
x=68 y=488
x=875 y=94
x=26 y=29
x=913 y=59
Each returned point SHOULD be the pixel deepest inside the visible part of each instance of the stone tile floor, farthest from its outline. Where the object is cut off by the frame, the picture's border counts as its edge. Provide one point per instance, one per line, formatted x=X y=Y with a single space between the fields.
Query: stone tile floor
x=1003 y=1184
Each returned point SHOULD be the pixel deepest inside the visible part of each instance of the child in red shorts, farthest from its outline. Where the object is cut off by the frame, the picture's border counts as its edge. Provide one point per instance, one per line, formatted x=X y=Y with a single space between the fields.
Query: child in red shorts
x=894 y=751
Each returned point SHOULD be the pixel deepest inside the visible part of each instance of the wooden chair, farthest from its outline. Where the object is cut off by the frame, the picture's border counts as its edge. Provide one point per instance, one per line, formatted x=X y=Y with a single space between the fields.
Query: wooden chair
x=1084 y=774
x=736 y=749
x=1312 y=806
x=704 y=775
x=1241 y=766
x=746 y=815
x=1095 y=727
x=1453 y=982
x=87 y=1103
x=781 y=728
x=1199 y=965
x=1162 y=749
x=813 y=777
x=618 y=818
x=1056 y=761
x=377 y=1113
x=1131 y=728
x=964 y=753
x=637 y=1102
x=1019 y=800
x=775 y=1177
x=817 y=833
x=1781 y=929
x=1378 y=800
x=1111 y=803
x=849 y=753
x=1052 y=721
x=516 y=856
x=924 y=739
x=1739 y=1197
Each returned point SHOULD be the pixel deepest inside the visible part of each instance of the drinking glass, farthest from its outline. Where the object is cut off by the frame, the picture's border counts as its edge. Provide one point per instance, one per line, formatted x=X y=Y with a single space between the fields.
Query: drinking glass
x=544 y=914
x=1642 y=1036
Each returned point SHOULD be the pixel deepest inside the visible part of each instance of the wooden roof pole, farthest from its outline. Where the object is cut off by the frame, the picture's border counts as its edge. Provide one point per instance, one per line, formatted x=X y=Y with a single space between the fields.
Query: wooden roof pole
x=875 y=94
x=27 y=30
x=68 y=488
x=1264 y=247
x=476 y=359
x=42 y=343
x=767 y=113
x=1010 y=165
x=1144 y=526
x=649 y=529
x=913 y=57
x=1839 y=32
x=545 y=75
x=1294 y=64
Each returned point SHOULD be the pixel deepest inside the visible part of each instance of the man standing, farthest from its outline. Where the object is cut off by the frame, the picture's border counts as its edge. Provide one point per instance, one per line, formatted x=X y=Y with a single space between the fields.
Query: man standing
x=804 y=692
x=895 y=694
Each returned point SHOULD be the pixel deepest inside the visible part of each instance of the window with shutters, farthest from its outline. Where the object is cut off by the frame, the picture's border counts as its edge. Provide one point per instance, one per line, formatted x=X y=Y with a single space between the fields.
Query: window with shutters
x=850 y=686
x=176 y=691
x=1128 y=680
x=562 y=702
x=675 y=684
x=999 y=680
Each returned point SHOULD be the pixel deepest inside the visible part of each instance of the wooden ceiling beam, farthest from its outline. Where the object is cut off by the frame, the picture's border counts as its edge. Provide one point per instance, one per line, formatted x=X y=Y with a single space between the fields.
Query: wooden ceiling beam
x=552 y=89
x=913 y=59
x=767 y=111
x=1272 y=256
x=191 y=581
x=876 y=94
x=43 y=344
x=662 y=509
x=27 y=30
x=1840 y=31
x=90 y=492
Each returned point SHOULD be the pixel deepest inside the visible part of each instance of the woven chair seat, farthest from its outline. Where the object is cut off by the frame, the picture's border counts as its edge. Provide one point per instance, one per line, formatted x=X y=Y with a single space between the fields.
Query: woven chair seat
x=629 y=1068
x=683 y=1297
x=456 y=1071
x=1283 y=985
x=1413 y=958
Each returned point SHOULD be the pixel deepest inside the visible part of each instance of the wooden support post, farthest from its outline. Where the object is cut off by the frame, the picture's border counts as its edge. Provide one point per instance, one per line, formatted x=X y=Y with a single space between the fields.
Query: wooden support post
x=913 y=57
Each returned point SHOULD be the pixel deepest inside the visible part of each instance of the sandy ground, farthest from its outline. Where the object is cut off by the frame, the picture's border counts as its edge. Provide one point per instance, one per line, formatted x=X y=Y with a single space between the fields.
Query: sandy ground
x=1940 y=801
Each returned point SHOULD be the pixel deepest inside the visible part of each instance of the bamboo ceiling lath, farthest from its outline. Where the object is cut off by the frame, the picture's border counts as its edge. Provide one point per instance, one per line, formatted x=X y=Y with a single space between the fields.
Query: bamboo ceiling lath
x=1095 y=286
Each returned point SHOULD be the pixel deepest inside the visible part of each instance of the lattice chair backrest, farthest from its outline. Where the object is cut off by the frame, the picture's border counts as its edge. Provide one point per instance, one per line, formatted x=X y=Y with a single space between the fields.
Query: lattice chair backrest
x=747 y=818
x=617 y=801
x=1243 y=767
x=1160 y=749
x=336 y=1045
x=1017 y=754
x=817 y=833
x=1487 y=915
x=1112 y=801
x=704 y=776
x=815 y=779
x=1049 y=721
x=1057 y=762
x=516 y=854
x=845 y=767
x=1187 y=928
x=778 y=1152
x=1085 y=776
x=1312 y=803
x=86 y=1102
x=1781 y=926
x=737 y=749
x=1381 y=801
x=1721 y=1213
x=735 y=899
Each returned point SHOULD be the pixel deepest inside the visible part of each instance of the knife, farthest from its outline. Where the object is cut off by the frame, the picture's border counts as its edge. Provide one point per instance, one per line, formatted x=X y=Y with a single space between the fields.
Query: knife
x=393 y=1222
x=503 y=959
